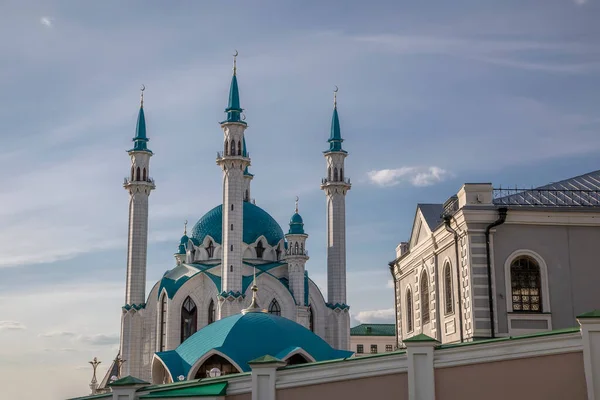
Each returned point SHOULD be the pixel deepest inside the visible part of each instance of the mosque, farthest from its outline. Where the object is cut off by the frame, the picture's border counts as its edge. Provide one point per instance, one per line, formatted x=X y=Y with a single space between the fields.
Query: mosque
x=230 y=247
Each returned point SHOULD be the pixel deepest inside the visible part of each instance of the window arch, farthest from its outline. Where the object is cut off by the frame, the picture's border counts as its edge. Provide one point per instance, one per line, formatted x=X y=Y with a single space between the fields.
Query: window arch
x=274 y=308
x=226 y=147
x=189 y=318
x=424 y=289
x=526 y=285
x=296 y=248
x=329 y=173
x=448 y=292
x=210 y=249
x=247 y=195
x=162 y=324
x=259 y=249
x=335 y=174
x=239 y=148
x=311 y=319
x=278 y=252
x=137 y=174
x=132 y=173
x=409 y=310
x=211 y=312
x=232 y=148
x=144 y=175
x=341 y=174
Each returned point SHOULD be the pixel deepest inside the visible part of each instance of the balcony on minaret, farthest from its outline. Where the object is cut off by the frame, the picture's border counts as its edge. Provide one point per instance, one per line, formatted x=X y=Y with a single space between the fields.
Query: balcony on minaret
x=221 y=155
x=146 y=182
x=296 y=252
x=333 y=182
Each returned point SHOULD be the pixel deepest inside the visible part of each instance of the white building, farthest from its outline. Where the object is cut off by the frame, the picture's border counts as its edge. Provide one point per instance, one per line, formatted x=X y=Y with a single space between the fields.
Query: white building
x=372 y=339
x=215 y=262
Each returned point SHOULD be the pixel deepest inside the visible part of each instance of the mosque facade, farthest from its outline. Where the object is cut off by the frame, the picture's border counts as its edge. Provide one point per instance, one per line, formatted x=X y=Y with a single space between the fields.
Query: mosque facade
x=232 y=244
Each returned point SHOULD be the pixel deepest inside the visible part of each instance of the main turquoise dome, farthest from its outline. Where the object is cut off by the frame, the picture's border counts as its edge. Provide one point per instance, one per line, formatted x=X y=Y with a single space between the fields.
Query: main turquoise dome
x=245 y=337
x=256 y=222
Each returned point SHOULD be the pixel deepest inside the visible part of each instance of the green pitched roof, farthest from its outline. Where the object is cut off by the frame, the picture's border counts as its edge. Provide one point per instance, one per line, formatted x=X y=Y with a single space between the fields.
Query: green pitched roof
x=140 y=140
x=421 y=337
x=233 y=110
x=335 y=137
x=211 y=389
x=127 y=381
x=589 y=314
x=373 y=330
x=266 y=359
x=94 y=397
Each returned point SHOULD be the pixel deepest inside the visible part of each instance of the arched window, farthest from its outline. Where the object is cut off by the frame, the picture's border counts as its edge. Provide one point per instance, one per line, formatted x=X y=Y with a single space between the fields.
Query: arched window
x=239 y=148
x=215 y=361
x=226 y=147
x=189 y=319
x=211 y=311
x=210 y=249
x=341 y=174
x=296 y=248
x=247 y=195
x=301 y=248
x=162 y=334
x=335 y=174
x=132 y=173
x=137 y=175
x=274 y=308
x=329 y=173
x=409 y=311
x=233 y=147
x=144 y=175
x=278 y=252
x=311 y=319
x=259 y=249
x=448 y=292
x=424 y=298
x=526 y=285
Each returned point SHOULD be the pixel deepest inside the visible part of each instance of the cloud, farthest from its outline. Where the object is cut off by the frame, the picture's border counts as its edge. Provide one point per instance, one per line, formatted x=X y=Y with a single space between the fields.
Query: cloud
x=11 y=326
x=416 y=176
x=376 y=316
x=95 y=340
x=580 y=2
x=46 y=21
x=390 y=284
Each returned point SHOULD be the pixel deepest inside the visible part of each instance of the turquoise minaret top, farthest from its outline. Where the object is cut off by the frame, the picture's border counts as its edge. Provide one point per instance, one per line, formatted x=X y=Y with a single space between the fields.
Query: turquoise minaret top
x=335 y=137
x=296 y=223
x=233 y=110
x=140 y=140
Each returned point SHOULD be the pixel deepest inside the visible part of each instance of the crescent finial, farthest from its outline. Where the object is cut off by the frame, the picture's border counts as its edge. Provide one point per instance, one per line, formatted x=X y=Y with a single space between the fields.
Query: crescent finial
x=335 y=96
x=142 y=95
x=234 y=62
x=297 y=198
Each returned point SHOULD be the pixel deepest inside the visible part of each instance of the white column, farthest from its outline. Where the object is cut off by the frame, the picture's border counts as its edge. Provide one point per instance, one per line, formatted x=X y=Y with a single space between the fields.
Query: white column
x=590 y=334
x=264 y=376
x=421 y=377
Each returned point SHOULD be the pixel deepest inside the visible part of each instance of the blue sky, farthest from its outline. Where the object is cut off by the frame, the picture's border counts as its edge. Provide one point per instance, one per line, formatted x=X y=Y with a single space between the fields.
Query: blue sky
x=432 y=95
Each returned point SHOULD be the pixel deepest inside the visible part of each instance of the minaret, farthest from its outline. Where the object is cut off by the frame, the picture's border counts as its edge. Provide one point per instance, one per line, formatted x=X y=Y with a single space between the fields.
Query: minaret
x=336 y=186
x=247 y=175
x=233 y=161
x=139 y=185
x=296 y=258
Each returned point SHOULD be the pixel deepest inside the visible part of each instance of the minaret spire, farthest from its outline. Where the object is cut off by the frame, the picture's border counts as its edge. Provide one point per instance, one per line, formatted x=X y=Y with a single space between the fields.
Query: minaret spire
x=335 y=186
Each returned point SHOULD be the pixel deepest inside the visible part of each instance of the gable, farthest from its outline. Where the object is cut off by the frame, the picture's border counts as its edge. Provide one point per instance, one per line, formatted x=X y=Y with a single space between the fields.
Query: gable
x=420 y=231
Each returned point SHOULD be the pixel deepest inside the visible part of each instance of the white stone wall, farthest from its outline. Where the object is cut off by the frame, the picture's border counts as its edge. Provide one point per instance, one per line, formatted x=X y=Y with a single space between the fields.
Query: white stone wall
x=336 y=245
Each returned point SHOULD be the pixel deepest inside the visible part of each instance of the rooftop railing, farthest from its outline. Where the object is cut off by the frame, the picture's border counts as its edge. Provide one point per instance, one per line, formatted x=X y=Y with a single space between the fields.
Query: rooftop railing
x=547 y=197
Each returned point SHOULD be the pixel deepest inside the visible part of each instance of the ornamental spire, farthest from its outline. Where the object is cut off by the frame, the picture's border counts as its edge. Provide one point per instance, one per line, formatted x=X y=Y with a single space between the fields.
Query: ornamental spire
x=296 y=210
x=185 y=228
x=253 y=307
x=140 y=140
x=233 y=110
x=335 y=137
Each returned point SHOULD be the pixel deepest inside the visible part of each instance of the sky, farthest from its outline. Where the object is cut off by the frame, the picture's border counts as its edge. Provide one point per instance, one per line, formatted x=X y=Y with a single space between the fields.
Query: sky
x=431 y=95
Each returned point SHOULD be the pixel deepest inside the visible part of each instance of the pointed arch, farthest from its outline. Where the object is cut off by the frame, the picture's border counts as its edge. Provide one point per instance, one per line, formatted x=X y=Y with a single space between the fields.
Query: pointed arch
x=311 y=319
x=329 y=174
x=226 y=147
x=335 y=174
x=409 y=310
x=162 y=323
x=132 y=173
x=448 y=291
x=232 y=147
x=259 y=249
x=424 y=292
x=247 y=195
x=239 y=153
x=211 y=312
x=296 y=248
x=137 y=174
x=341 y=174
x=301 y=248
x=189 y=318
x=210 y=249
x=278 y=252
x=274 y=308
x=144 y=175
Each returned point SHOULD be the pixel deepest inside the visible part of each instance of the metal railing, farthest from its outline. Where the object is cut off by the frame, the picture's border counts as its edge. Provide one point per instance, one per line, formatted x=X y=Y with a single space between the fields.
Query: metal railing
x=127 y=181
x=221 y=154
x=344 y=180
x=547 y=197
x=294 y=252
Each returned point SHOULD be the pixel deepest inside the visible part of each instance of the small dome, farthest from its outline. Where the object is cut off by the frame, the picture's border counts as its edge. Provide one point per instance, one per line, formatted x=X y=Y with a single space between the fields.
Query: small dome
x=296 y=224
x=256 y=222
x=184 y=239
x=245 y=337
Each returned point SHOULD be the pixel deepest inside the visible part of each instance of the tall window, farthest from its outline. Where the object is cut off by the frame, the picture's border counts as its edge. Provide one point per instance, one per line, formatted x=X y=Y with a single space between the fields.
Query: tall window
x=274 y=308
x=360 y=349
x=210 y=249
x=137 y=174
x=162 y=334
x=335 y=174
x=278 y=252
x=296 y=248
x=424 y=298
x=233 y=147
x=259 y=249
x=239 y=148
x=341 y=174
x=211 y=312
x=189 y=319
x=409 y=311
x=449 y=303
x=311 y=319
x=144 y=175
x=329 y=173
x=226 y=147
x=526 y=285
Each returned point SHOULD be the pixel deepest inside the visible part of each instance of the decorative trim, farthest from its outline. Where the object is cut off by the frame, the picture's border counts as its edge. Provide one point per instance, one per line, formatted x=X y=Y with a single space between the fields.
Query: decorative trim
x=136 y=307
x=340 y=306
x=194 y=368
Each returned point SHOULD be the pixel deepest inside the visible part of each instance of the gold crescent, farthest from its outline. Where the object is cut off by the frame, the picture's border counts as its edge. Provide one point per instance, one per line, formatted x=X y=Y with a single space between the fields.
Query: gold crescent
x=143 y=88
x=336 y=89
x=236 y=53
